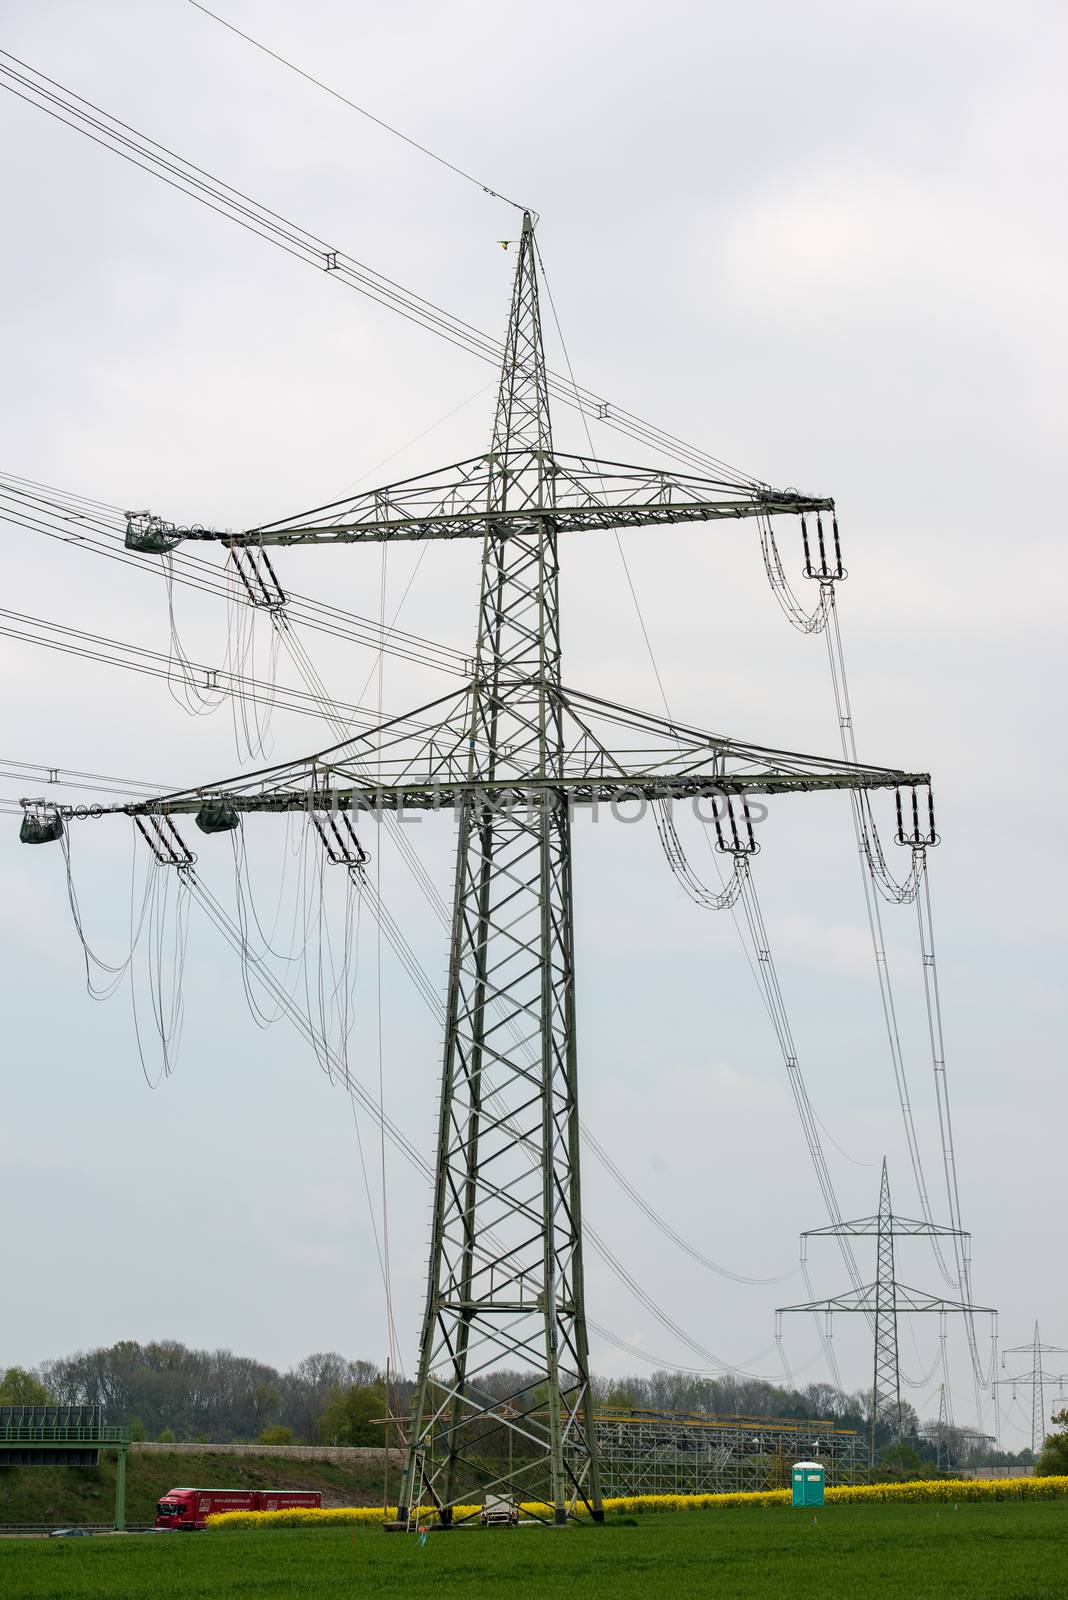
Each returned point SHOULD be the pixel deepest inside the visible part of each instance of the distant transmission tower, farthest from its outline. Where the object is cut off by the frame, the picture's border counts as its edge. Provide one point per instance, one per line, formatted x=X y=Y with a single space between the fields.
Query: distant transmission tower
x=943 y=1431
x=1038 y=1377
x=884 y=1301
x=510 y=753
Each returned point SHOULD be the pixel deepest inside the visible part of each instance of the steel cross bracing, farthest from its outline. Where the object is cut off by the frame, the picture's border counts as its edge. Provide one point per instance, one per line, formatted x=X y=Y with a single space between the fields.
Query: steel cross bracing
x=511 y=753
x=884 y=1301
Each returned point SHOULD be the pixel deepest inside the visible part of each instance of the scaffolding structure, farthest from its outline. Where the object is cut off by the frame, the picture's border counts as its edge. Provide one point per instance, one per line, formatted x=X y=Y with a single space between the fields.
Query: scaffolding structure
x=664 y=1452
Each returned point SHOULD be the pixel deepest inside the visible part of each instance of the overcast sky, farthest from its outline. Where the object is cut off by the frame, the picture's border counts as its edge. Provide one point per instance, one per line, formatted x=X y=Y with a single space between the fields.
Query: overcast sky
x=825 y=244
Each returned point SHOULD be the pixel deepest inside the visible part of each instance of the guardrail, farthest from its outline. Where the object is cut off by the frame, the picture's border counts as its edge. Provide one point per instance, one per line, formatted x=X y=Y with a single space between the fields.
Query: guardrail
x=339 y=1454
x=42 y=1529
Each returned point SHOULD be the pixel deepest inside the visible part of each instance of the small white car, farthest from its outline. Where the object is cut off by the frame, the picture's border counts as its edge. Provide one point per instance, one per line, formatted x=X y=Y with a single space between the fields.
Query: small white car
x=499 y=1511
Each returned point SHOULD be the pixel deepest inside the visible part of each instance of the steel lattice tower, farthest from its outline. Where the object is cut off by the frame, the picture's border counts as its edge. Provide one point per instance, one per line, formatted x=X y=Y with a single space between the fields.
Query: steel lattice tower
x=1038 y=1377
x=943 y=1431
x=510 y=752
x=884 y=1301
x=886 y=1387
x=508 y=1161
x=1038 y=1394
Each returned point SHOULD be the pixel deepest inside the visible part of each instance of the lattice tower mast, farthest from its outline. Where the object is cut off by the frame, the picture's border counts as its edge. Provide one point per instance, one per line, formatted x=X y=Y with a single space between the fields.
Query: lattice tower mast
x=886 y=1387
x=1038 y=1397
x=943 y=1430
x=506 y=1286
x=884 y=1301
x=1038 y=1377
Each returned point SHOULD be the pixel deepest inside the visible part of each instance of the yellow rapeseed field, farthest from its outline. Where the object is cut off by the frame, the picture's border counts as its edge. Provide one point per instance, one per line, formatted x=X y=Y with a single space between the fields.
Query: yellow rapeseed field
x=954 y=1489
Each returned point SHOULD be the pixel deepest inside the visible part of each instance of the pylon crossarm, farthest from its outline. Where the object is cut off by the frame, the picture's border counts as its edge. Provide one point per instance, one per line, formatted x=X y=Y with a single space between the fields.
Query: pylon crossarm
x=856 y=1300
x=452 y=502
x=504 y=796
x=867 y=1300
x=1041 y=1375
x=410 y=763
x=916 y=1300
x=900 y=1227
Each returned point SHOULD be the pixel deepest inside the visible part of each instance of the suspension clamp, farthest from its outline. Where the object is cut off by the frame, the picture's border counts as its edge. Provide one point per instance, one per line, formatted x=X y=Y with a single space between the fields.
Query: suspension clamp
x=920 y=837
x=258 y=576
x=340 y=842
x=824 y=571
x=732 y=839
x=164 y=841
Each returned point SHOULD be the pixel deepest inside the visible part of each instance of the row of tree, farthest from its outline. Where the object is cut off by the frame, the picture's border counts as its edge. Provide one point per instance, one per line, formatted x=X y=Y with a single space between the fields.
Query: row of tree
x=167 y=1390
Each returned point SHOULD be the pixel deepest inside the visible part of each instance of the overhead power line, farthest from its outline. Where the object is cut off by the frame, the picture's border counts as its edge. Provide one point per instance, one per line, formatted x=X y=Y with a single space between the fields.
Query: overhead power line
x=340 y=1069
x=69 y=778
x=97 y=527
x=363 y=111
x=152 y=663
x=157 y=664
x=84 y=117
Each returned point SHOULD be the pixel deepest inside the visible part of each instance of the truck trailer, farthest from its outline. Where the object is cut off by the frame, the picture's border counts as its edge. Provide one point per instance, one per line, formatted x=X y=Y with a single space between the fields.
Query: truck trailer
x=188 y=1508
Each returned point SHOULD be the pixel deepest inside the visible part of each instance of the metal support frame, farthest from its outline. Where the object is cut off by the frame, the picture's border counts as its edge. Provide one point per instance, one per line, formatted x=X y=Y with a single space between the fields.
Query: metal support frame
x=645 y=1451
x=884 y=1301
x=665 y=1453
x=120 y=1488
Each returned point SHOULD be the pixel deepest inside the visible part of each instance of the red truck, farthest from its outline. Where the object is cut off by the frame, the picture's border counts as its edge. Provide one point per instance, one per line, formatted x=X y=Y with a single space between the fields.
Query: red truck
x=187 y=1508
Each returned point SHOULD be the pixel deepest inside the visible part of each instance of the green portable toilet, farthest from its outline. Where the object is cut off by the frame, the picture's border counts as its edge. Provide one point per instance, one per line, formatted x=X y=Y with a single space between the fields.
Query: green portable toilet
x=808 y=1479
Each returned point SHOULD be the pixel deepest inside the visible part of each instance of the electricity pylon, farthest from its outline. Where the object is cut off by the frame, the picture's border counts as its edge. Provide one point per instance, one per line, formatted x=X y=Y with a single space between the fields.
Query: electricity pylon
x=943 y=1431
x=1038 y=1377
x=511 y=753
x=884 y=1301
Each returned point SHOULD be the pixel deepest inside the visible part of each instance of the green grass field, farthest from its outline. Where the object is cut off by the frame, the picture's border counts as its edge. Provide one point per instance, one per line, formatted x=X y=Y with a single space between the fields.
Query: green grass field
x=893 y=1552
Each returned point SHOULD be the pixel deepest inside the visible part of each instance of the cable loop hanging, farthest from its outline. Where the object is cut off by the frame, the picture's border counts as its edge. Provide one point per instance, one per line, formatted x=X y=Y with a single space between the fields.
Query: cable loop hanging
x=804 y=621
x=919 y=839
x=724 y=899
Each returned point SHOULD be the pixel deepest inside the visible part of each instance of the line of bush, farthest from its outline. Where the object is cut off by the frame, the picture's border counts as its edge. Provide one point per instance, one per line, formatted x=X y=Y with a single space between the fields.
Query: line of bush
x=931 y=1491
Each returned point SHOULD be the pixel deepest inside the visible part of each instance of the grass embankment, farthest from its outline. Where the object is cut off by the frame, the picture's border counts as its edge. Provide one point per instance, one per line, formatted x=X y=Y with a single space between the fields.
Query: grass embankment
x=61 y=1495
x=1007 y=1551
